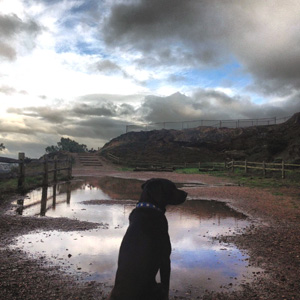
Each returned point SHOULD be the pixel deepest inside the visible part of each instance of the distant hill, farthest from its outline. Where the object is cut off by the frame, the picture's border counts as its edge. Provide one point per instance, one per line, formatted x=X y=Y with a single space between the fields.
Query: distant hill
x=203 y=144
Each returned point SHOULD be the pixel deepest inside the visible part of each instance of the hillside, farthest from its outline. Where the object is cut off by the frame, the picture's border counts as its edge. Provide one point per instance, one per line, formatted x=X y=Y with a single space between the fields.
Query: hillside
x=203 y=144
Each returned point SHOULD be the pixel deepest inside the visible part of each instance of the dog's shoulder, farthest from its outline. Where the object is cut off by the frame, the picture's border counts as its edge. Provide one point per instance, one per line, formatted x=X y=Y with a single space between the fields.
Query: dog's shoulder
x=149 y=220
x=146 y=214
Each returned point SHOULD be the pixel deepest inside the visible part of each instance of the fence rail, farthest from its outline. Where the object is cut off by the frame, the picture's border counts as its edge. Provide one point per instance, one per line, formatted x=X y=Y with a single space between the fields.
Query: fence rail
x=238 y=123
x=264 y=167
x=38 y=168
x=113 y=158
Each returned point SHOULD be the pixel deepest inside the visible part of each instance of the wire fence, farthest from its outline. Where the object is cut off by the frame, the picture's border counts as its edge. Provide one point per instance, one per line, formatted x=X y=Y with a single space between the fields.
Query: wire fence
x=239 y=123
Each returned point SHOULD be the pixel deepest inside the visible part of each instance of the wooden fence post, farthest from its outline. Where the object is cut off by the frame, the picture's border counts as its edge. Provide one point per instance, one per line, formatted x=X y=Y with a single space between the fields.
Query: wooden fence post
x=283 y=170
x=45 y=178
x=44 y=201
x=21 y=180
x=54 y=195
x=246 y=169
x=68 y=193
x=70 y=168
x=232 y=167
x=264 y=168
x=55 y=170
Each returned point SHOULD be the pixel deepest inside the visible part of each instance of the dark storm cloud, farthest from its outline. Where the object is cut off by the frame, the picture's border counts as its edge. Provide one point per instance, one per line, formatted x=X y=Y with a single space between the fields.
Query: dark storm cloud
x=44 y=113
x=98 y=98
x=32 y=149
x=172 y=31
x=50 y=2
x=7 y=51
x=28 y=126
x=105 y=109
x=126 y=109
x=11 y=28
x=108 y=67
x=106 y=105
x=211 y=105
x=263 y=37
x=101 y=128
x=11 y=25
x=78 y=111
x=63 y=122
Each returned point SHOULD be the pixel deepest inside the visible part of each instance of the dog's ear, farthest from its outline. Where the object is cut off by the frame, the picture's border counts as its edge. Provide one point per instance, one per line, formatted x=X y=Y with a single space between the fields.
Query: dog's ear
x=153 y=191
x=147 y=182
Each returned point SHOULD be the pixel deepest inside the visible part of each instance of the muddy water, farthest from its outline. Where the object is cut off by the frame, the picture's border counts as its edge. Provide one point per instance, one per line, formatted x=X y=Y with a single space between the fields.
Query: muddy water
x=199 y=261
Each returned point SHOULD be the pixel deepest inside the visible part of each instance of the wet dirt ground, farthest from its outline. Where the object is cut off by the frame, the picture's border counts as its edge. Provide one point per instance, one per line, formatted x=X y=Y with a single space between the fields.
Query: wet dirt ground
x=272 y=241
x=199 y=260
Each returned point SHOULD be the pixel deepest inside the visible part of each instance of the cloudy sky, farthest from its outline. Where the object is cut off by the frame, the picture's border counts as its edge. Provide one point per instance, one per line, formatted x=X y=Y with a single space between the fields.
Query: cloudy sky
x=84 y=69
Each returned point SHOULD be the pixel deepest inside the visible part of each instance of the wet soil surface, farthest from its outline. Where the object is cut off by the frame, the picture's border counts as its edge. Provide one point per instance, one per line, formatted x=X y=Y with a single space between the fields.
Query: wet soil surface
x=272 y=242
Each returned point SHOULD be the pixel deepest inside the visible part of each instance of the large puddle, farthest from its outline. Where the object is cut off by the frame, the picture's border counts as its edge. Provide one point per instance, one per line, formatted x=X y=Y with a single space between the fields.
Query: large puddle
x=199 y=262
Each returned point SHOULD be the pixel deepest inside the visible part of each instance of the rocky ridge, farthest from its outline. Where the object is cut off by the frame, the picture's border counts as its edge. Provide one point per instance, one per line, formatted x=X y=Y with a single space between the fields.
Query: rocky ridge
x=203 y=144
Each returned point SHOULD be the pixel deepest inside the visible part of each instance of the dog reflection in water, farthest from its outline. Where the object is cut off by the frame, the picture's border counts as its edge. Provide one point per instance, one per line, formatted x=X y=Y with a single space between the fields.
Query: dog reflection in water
x=146 y=246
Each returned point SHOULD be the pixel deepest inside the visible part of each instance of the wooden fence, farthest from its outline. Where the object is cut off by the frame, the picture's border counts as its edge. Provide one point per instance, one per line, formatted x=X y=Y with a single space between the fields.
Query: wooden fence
x=39 y=168
x=264 y=167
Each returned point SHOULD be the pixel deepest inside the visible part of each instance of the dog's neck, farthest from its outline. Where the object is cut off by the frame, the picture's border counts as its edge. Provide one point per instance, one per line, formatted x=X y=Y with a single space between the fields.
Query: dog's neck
x=149 y=205
x=146 y=197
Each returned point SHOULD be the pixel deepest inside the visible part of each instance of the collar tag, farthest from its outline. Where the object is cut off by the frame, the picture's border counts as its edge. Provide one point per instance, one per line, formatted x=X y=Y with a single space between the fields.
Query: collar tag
x=149 y=205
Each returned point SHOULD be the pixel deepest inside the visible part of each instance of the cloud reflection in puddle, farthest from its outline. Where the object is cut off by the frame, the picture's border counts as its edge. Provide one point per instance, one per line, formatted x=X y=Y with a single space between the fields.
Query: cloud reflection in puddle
x=199 y=261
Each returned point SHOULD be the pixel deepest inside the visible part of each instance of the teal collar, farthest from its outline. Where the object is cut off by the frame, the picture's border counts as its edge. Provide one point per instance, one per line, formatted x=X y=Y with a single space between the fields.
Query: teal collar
x=149 y=205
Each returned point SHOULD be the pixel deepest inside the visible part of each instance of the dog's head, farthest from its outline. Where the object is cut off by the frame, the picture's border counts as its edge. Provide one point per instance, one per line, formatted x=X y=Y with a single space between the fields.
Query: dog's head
x=162 y=192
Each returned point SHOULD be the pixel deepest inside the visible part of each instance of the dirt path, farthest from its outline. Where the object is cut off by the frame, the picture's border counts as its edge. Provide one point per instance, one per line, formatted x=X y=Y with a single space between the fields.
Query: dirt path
x=272 y=241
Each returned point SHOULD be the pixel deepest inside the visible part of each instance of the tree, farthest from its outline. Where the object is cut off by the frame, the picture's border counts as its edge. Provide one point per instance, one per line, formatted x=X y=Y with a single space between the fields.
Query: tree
x=2 y=147
x=68 y=145
x=52 y=149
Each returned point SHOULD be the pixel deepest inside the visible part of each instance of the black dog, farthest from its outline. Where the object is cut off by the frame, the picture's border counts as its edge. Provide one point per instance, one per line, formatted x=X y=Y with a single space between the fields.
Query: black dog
x=146 y=246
